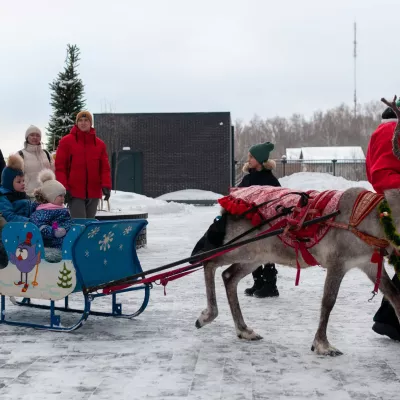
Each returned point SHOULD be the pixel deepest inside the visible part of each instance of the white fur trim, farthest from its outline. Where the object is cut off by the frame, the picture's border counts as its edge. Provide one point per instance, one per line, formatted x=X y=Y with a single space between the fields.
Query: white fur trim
x=246 y=168
x=269 y=164
x=386 y=121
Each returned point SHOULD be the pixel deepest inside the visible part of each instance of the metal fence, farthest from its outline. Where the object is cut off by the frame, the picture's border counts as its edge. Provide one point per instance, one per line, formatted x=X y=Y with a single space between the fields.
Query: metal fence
x=353 y=170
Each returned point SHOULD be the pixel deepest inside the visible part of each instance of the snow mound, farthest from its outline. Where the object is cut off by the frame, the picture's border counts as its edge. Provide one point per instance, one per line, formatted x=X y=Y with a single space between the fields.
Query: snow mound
x=320 y=181
x=191 y=194
x=124 y=202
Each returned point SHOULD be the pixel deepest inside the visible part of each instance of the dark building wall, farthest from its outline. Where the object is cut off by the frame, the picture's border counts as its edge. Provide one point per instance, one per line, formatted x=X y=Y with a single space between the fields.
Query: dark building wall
x=180 y=150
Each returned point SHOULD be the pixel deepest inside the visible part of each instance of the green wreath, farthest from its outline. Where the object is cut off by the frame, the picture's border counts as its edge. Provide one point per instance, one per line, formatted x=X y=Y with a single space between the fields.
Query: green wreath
x=385 y=216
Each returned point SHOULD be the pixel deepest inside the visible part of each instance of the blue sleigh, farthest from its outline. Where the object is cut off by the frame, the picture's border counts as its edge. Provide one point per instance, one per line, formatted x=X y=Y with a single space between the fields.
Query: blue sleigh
x=93 y=253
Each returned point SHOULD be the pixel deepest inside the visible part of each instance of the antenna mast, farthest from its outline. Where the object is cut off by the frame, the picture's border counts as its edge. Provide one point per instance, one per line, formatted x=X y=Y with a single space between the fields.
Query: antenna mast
x=355 y=69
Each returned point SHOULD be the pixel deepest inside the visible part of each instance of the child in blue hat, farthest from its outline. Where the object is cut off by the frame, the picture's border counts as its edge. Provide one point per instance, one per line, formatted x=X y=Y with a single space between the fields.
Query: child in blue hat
x=15 y=205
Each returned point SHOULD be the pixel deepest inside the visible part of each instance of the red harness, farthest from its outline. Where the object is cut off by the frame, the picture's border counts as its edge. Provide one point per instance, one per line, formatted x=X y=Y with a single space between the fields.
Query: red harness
x=302 y=239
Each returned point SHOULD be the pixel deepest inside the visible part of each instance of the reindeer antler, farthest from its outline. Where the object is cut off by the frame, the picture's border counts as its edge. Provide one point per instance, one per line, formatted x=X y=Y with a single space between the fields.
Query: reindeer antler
x=396 y=133
x=392 y=105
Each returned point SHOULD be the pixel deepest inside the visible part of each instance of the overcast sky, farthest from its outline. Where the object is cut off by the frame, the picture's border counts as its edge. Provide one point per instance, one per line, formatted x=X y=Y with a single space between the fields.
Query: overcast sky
x=267 y=57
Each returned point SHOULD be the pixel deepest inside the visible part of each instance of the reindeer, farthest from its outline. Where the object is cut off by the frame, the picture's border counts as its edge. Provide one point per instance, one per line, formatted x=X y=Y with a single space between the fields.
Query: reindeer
x=339 y=251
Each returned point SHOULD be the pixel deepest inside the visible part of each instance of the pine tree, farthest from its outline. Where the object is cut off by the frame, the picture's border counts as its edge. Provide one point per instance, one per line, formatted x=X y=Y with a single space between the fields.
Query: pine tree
x=64 y=281
x=66 y=98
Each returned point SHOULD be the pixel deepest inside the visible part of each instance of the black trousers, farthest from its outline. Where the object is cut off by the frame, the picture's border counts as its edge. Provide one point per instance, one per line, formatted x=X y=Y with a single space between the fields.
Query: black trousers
x=386 y=313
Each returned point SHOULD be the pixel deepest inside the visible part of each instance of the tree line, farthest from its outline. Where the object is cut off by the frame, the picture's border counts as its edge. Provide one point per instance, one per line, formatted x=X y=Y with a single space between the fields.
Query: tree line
x=335 y=127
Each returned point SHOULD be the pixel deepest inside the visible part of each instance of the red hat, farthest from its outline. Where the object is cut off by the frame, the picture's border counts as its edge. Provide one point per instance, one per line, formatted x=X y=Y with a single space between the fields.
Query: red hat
x=28 y=238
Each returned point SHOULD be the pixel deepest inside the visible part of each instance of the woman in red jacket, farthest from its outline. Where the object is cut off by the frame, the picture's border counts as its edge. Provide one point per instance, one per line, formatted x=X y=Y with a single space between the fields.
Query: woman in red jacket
x=82 y=167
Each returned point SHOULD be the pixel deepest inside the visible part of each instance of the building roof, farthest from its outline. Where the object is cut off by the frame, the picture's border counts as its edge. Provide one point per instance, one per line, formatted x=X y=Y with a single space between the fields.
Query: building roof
x=325 y=153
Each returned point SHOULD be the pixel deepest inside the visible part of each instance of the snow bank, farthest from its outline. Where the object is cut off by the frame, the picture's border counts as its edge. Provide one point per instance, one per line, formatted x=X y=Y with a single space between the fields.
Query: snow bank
x=320 y=181
x=123 y=202
x=191 y=194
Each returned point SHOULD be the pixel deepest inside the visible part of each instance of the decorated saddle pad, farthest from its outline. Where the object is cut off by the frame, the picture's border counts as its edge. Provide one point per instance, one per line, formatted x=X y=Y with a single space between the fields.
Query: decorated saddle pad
x=260 y=203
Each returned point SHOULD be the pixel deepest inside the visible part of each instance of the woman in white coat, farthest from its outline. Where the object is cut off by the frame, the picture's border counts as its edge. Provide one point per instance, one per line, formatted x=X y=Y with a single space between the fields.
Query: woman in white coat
x=36 y=158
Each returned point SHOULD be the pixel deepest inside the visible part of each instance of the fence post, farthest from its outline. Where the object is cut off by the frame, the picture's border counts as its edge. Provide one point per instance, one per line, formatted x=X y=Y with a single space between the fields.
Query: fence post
x=334 y=167
x=284 y=161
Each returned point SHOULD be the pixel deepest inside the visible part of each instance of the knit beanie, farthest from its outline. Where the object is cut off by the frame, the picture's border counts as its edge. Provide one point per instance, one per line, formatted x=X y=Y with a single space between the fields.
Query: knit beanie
x=14 y=168
x=261 y=151
x=50 y=188
x=84 y=114
x=389 y=113
x=32 y=129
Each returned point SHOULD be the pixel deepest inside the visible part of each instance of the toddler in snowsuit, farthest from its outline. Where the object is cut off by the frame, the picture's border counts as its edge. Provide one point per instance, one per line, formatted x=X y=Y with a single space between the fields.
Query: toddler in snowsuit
x=51 y=217
x=15 y=205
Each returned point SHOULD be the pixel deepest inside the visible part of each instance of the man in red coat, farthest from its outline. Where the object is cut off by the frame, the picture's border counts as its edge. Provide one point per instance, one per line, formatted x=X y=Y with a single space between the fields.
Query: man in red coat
x=383 y=172
x=82 y=167
x=383 y=168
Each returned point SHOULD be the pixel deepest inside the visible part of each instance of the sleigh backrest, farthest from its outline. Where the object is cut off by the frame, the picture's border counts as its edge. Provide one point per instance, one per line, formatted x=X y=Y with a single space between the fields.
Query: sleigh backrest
x=70 y=239
x=106 y=251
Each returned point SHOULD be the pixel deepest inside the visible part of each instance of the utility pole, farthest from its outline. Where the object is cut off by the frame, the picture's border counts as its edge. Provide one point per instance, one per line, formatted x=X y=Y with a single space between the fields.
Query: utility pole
x=355 y=69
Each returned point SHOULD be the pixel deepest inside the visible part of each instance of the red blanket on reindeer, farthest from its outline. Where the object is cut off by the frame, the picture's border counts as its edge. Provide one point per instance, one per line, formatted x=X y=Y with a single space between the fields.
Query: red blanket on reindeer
x=305 y=206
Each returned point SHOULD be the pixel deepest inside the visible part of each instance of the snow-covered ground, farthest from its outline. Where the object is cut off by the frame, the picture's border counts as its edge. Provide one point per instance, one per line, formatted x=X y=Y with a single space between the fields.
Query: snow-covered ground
x=161 y=355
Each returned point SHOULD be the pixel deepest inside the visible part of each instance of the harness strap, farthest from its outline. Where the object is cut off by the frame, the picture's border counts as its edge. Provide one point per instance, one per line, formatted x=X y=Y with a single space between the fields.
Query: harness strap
x=377 y=257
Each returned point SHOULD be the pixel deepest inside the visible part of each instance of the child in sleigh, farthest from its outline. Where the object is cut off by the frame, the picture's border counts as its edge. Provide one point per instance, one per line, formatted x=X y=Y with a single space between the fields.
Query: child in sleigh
x=51 y=216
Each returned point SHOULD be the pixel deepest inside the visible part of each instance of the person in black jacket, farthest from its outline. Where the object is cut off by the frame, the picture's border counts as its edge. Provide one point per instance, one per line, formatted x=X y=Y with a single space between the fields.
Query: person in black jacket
x=259 y=168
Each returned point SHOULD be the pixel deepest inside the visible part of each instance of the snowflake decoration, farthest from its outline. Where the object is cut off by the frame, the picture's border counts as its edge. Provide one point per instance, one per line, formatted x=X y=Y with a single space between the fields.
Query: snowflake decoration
x=105 y=242
x=115 y=225
x=121 y=246
x=127 y=230
x=93 y=232
x=87 y=253
x=105 y=262
x=6 y=240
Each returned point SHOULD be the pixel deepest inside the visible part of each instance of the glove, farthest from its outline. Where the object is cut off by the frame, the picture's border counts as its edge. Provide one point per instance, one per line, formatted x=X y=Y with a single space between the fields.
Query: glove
x=106 y=192
x=59 y=232
x=67 y=197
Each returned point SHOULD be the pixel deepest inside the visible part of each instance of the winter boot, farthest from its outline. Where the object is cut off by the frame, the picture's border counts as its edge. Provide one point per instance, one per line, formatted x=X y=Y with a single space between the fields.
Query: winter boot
x=386 y=321
x=258 y=281
x=269 y=288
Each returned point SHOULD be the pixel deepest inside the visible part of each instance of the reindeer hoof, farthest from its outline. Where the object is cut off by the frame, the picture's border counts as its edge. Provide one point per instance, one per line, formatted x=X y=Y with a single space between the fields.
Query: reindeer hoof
x=326 y=351
x=249 y=334
x=206 y=317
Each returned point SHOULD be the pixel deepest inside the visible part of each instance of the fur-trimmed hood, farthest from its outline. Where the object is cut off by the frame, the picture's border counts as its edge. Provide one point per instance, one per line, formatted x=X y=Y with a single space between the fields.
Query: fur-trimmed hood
x=270 y=165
